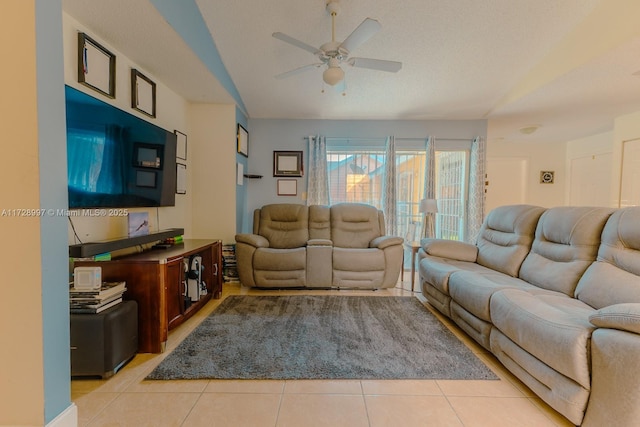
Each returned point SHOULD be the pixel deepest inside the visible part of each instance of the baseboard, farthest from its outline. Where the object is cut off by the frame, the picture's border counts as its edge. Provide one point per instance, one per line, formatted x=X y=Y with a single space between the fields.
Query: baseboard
x=67 y=418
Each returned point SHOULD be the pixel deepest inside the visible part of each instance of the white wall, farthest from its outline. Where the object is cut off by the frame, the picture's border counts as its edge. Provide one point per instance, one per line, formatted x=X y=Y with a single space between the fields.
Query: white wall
x=171 y=114
x=584 y=156
x=548 y=156
x=625 y=128
x=212 y=151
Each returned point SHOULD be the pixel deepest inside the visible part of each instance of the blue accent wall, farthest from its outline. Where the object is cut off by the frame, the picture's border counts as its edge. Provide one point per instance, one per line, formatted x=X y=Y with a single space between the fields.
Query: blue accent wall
x=185 y=17
x=53 y=195
x=241 y=190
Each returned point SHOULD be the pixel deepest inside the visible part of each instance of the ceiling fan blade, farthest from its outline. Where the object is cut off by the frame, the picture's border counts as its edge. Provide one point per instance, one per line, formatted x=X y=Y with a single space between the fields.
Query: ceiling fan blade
x=298 y=70
x=364 y=32
x=296 y=42
x=376 y=64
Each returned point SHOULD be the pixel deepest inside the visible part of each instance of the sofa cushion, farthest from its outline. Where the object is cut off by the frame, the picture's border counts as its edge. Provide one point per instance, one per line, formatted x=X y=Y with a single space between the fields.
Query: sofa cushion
x=615 y=277
x=284 y=225
x=473 y=290
x=436 y=271
x=566 y=243
x=354 y=225
x=505 y=237
x=554 y=328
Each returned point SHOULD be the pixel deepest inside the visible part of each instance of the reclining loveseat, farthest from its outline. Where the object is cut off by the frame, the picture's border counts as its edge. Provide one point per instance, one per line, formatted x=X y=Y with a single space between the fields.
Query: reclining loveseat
x=554 y=294
x=299 y=246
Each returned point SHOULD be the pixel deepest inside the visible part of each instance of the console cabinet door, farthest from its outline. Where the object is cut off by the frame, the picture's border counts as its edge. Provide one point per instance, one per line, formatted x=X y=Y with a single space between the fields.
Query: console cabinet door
x=173 y=290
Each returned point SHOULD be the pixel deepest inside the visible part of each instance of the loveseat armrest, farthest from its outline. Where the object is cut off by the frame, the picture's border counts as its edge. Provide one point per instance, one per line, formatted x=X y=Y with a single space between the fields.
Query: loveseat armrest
x=319 y=242
x=451 y=249
x=625 y=317
x=385 y=241
x=253 y=240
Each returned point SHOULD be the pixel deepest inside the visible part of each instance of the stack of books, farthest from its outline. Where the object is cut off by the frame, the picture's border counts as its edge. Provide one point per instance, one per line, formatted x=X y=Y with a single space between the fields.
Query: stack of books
x=174 y=240
x=99 y=257
x=89 y=301
x=230 y=269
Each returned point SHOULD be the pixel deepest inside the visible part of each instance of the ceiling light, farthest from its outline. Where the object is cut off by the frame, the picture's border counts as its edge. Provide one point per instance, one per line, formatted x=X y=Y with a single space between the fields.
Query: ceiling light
x=528 y=130
x=334 y=74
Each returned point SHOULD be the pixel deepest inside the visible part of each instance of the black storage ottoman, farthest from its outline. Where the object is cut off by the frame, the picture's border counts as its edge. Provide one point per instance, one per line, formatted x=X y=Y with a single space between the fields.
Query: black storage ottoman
x=102 y=343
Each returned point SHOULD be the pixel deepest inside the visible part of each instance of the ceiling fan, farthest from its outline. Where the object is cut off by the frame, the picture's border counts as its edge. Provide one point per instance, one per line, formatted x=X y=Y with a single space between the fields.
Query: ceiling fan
x=333 y=54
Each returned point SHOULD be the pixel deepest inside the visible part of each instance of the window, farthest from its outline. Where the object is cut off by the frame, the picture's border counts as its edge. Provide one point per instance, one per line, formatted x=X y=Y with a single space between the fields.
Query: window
x=356 y=175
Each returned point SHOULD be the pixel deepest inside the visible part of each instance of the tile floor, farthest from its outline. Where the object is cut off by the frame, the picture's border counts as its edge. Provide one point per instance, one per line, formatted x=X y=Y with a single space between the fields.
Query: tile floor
x=127 y=399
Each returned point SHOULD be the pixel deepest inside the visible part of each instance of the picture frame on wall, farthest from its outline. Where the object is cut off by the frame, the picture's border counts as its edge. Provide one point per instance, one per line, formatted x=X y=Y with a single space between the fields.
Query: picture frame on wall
x=143 y=93
x=181 y=145
x=181 y=178
x=287 y=187
x=243 y=140
x=96 y=66
x=287 y=163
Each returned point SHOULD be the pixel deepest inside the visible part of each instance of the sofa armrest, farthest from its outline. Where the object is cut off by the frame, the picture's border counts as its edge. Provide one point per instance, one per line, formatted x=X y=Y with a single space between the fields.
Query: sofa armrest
x=253 y=240
x=625 y=317
x=385 y=241
x=615 y=379
x=319 y=242
x=451 y=249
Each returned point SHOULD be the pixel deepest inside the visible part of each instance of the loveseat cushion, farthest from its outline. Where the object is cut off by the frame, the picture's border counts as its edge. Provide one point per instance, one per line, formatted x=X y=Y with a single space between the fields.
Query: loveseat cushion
x=615 y=277
x=505 y=237
x=553 y=328
x=566 y=243
x=358 y=267
x=280 y=267
x=284 y=225
x=354 y=225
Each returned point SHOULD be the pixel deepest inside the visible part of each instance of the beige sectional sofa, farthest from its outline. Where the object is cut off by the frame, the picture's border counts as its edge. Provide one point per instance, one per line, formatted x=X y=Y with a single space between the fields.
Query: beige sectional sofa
x=554 y=294
x=298 y=246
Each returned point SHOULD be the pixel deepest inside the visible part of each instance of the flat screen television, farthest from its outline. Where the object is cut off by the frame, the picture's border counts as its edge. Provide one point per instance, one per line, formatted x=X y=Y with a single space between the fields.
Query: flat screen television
x=115 y=159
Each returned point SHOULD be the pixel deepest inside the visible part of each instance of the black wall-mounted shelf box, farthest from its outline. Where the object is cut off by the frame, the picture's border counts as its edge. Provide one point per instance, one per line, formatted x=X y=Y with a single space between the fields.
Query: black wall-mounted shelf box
x=85 y=250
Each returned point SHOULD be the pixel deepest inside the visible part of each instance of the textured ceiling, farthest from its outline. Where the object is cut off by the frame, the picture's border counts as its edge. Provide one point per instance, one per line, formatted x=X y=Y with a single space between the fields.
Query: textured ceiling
x=564 y=65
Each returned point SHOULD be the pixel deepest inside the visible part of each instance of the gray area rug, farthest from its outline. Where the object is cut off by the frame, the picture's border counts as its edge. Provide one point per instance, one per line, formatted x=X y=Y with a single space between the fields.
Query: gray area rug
x=321 y=337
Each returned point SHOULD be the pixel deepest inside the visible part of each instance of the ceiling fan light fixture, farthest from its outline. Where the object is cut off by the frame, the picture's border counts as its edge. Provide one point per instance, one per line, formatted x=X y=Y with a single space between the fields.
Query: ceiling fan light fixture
x=529 y=129
x=333 y=75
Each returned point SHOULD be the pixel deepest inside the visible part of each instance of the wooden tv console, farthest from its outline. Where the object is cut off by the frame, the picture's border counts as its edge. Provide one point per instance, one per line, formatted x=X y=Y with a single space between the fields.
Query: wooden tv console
x=155 y=281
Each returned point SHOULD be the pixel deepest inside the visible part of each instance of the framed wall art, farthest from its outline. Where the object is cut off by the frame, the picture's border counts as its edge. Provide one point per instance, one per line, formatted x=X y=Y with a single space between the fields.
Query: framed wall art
x=243 y=141
x=143 y=93
x=181 y=145
x=287 y=187
x=287 y=163
x=96 y=66
x=181 y=178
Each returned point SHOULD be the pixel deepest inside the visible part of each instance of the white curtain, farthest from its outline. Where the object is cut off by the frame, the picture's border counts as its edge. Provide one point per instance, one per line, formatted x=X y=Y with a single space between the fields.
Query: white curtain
x=317 y=178
x=429 y=179
x=477 y=176
x=389 y=188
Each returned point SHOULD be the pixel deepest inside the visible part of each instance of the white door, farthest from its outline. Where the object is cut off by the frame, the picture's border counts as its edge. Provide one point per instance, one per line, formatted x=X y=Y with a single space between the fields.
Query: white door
x=507 y=185
x=590 y=180
x=630 y=181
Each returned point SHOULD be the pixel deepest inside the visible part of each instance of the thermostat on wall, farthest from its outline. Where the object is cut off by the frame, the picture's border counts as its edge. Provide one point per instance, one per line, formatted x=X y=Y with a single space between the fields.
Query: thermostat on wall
x=88 y=278
x=546 y=177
